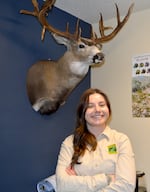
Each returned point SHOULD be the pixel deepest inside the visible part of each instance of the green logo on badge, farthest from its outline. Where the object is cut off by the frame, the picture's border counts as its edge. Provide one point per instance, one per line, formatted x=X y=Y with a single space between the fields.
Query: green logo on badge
x=112 y=149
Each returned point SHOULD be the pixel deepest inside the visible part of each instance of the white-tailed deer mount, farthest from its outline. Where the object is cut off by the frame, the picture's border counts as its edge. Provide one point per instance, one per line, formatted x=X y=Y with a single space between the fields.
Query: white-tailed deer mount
x=49 y=83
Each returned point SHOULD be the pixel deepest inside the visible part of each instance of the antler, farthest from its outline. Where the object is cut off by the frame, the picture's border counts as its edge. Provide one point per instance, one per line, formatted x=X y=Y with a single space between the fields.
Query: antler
x=104 y=38
x=41 y=16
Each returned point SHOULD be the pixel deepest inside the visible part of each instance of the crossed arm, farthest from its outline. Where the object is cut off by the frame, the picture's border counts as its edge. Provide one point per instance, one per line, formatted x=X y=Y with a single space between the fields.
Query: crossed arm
x=122 y=180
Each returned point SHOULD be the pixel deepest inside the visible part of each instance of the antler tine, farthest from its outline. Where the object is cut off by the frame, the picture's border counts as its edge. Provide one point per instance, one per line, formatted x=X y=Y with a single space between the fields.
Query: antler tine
x=102 y=28
x=91 y=40
x=36 y=9
x=41 y=16
x=104 y=38
x=77 y=33
x=93 y=34
x=118 y=14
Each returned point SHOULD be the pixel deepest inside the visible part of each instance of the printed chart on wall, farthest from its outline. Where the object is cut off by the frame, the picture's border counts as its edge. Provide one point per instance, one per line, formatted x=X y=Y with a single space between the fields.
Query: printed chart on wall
x=141 y=85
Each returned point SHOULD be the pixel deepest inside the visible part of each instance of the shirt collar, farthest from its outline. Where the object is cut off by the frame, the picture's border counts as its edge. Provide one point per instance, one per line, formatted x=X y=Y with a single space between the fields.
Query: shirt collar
x=106 y=133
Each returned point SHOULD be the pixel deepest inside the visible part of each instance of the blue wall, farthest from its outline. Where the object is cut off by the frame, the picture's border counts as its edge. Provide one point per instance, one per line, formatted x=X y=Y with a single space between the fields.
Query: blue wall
x=29 y=142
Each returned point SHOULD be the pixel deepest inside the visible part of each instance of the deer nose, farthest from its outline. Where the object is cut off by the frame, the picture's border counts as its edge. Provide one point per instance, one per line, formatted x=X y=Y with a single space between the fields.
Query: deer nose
x=99 y=57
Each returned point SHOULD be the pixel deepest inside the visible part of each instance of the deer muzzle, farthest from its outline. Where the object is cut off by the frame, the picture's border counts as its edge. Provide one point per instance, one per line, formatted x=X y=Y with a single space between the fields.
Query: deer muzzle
x=98 y=58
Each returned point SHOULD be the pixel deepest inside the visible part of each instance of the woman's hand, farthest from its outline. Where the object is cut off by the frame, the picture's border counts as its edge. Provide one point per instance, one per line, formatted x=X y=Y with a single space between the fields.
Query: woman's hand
x=111 y=178
x=70 y=170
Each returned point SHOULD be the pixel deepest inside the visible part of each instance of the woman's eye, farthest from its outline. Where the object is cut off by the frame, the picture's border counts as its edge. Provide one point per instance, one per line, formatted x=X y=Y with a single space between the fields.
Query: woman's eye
x=89 y=106
x=102 y=105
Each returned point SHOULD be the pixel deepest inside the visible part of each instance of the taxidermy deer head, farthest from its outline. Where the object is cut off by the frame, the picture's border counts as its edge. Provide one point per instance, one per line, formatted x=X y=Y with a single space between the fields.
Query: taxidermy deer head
x=49 y=83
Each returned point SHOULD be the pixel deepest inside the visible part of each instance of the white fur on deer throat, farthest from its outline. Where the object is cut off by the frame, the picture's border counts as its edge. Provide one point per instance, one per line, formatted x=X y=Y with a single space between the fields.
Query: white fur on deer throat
x=79 y=68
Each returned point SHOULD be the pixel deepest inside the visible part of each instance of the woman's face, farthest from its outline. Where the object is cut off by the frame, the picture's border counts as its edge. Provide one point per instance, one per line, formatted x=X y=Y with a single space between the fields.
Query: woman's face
x=97 y=113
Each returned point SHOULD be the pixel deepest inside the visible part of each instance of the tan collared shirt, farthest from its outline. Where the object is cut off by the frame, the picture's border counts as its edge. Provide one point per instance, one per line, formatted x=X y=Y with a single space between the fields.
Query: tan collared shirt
x=113 y=155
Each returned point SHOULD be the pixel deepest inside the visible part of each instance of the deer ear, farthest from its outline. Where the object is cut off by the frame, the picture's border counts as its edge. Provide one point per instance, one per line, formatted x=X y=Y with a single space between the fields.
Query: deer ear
x=61 y=40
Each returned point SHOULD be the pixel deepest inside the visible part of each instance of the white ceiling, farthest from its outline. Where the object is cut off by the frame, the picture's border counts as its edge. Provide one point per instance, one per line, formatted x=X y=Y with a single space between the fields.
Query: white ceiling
x=89 y=10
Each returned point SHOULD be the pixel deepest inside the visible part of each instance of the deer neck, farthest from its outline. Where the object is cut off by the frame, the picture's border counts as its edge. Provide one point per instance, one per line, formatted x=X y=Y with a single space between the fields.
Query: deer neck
x=73 y=64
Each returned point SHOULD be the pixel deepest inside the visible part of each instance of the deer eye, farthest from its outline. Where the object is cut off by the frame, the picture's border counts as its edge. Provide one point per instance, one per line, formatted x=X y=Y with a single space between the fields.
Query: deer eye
x=81 y=46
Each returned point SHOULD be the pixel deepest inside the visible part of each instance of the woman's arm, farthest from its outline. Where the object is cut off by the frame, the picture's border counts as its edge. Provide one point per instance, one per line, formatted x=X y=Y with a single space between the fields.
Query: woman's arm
x=68 y=181
x=125 y=174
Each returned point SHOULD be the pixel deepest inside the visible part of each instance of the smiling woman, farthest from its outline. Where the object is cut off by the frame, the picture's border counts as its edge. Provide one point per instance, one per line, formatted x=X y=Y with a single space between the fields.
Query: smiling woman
x=95 y=157
x=97 y=113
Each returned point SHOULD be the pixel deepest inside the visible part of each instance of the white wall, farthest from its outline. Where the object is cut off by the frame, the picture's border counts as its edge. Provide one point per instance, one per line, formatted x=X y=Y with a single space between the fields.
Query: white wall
x=115 y=78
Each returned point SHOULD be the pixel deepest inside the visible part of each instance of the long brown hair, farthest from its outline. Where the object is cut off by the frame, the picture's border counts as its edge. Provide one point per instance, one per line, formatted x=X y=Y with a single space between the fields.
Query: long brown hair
x=82 y=137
